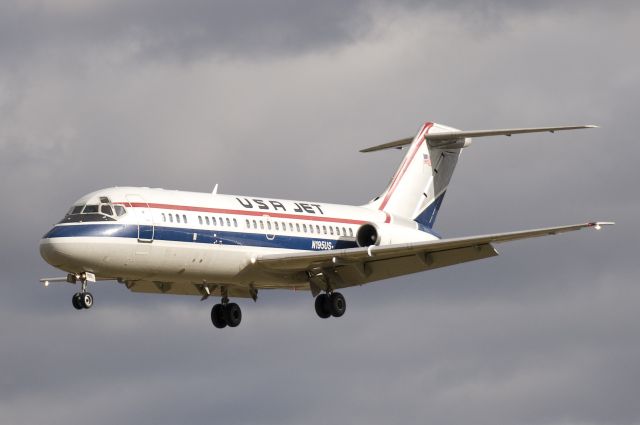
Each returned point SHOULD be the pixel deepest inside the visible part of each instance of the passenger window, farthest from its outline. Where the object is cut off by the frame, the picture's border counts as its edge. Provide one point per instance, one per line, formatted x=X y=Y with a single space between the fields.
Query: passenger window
x=200 y=219
x=164 y=217
x=311 y=228
x=261 y=225
x=331 y=230
x=284 y=226
x=298 y=227
x=269 y=225
x=184 y=218
x=350 y=232
x=291 y=226
x=213 y=221
x=177 y=218
x=344 y=232
x=235 y=223
x=248 y=224
x=206 y=220
x=317 y=229
x=170 y=218
x=228 y=222
x=276 y=224
x=255 y=224
x=304 y=228
x=221 y=222
x=106 y=209
x=324 y=229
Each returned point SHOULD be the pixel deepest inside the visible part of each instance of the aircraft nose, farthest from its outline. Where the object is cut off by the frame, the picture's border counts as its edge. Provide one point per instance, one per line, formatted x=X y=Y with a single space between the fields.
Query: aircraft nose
x=60 y=252
x=50 y=252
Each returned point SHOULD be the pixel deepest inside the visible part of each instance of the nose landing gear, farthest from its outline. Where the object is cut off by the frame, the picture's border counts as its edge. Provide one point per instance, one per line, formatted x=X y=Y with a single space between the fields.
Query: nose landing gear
x=83 y=299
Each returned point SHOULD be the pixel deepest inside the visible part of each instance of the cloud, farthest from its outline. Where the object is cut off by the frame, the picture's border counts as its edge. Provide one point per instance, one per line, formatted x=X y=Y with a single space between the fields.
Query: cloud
x=276 y=100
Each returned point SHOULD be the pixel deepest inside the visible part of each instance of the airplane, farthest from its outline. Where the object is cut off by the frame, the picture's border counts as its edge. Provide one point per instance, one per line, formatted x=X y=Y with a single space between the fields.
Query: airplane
x=227 y=246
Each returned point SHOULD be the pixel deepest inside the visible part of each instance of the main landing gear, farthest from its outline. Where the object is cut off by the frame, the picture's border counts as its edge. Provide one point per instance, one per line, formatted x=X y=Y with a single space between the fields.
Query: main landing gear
x=226 y=314
x=82 y=299
x=332 y=304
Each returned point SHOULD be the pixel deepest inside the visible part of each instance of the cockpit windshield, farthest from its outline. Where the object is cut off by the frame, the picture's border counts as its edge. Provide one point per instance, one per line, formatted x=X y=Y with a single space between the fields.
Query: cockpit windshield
x=104 y=210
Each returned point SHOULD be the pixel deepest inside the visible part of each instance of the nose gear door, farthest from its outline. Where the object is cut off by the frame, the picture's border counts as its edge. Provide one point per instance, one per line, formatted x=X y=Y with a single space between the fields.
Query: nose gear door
x=144 y=217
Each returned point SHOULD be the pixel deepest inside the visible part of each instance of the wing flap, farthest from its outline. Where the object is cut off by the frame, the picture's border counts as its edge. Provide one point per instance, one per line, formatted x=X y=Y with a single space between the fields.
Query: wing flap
x=379 y=269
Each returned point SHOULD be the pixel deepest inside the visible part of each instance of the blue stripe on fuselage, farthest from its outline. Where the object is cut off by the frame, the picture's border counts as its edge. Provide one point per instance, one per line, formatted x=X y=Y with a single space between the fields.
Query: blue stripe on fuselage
x=203 y=236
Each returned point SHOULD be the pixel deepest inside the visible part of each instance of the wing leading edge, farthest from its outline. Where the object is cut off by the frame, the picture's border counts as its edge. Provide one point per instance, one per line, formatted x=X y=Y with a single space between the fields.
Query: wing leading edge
x=356 y=266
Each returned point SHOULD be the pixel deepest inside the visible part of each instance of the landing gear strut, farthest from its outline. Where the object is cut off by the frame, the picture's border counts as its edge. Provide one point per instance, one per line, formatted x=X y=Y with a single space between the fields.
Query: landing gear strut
x=328 y=305
x=82 y=299
x=226 y=314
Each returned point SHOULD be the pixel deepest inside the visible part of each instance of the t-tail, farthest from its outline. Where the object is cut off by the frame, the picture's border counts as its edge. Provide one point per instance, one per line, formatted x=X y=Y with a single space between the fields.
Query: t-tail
x=417 y=189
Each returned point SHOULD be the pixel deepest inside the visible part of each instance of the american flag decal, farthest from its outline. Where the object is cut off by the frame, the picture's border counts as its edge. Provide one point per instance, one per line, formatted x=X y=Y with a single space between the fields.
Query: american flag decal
x=427 y=160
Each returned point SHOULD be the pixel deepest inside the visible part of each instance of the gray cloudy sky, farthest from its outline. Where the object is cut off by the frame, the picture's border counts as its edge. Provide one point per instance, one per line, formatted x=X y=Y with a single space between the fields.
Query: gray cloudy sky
x=275 y=98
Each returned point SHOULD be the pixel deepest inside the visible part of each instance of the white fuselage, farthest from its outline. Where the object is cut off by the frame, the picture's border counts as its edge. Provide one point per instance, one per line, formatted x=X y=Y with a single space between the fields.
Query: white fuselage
x=186 y=237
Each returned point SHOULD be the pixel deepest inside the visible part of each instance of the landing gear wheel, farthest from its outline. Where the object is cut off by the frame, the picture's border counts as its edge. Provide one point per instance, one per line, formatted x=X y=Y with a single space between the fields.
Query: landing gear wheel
x=233 y=314
x=76 y=300
x=337 y=304
x=322 y=306
x=86 y=300
x=217 y=316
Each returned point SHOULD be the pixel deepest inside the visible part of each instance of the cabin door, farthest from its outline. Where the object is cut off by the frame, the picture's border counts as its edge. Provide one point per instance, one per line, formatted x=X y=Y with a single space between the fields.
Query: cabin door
x=144 y=217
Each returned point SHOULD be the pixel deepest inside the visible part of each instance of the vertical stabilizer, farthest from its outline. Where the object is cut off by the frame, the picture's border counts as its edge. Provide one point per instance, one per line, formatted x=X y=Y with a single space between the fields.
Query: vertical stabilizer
x=417 y=189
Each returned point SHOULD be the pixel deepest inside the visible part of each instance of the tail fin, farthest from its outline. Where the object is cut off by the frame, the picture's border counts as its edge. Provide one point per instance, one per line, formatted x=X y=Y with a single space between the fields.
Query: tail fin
x=417 y=188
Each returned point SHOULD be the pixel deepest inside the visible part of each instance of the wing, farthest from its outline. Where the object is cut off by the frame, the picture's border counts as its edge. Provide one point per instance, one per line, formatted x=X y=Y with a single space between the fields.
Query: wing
x=356 y=266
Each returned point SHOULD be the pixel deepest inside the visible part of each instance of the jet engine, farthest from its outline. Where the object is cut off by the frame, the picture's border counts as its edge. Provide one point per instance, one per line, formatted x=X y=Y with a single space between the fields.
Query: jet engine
x=368 y=235
x=385 y=234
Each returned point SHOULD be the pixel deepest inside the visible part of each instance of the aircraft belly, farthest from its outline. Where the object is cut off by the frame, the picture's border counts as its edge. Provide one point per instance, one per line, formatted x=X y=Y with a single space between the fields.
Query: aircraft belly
x=178 y=270
x=171 y=261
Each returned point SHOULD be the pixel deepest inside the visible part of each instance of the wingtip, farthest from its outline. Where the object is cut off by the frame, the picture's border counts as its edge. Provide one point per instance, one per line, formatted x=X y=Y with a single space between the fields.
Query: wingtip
x=591 y=126
x=598 y=224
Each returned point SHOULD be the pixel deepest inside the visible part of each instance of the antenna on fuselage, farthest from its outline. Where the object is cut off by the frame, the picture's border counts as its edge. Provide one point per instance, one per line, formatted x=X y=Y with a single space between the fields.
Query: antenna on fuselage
x=215 y=190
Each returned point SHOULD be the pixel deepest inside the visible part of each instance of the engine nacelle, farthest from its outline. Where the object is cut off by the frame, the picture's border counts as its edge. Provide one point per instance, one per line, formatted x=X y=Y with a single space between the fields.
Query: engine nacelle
x=385 y=234
x=368 y=235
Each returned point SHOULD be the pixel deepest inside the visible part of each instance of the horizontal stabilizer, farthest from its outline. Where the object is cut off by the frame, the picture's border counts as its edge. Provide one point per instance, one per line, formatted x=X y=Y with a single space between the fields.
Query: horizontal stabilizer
x=438 y=138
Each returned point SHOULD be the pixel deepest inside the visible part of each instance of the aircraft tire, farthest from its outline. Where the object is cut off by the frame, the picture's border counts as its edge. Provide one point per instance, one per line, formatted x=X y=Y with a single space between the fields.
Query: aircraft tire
x=217 y=316
x=86 y=300
x=337 y=304
x=232 y=314
x=76 y=301
x=323 y=310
